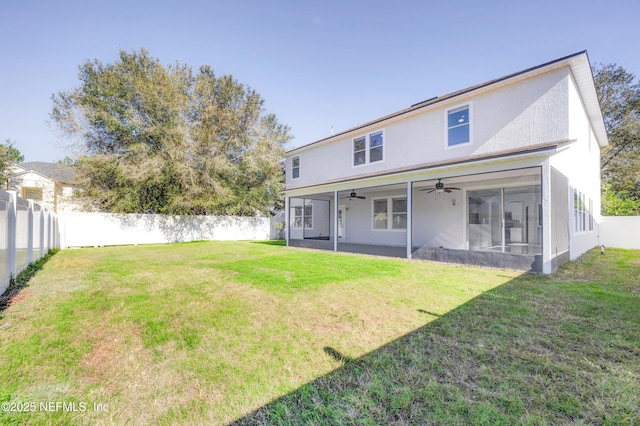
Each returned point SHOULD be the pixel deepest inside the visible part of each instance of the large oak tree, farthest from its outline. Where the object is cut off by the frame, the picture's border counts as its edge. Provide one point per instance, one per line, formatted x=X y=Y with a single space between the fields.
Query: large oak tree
x=619 y=96
x=166 y=139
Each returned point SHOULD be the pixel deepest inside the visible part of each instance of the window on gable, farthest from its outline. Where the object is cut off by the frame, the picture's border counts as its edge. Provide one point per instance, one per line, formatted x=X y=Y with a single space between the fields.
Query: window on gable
x=368 y=149
x=458 y=126
x=32 y=193
x=295 y=167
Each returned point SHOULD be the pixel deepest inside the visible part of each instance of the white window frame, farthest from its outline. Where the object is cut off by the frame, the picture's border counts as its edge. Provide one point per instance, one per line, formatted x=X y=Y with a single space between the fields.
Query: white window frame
x=394 y=213
x=584 y=213
x=26 y=190
x=298 y=216
x=354 y=152
x=368 y=147
x=468 y=105
x=389 y=213
x=293 y=167
x=302 y=216
x=579 y=211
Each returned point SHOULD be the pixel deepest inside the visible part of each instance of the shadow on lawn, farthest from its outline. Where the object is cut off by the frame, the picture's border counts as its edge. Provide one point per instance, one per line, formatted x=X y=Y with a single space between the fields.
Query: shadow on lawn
x=531 y=351
x=20 y=282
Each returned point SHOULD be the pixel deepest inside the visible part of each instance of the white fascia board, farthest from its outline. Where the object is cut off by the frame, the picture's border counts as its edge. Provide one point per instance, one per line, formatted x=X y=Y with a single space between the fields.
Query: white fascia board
x=583 y=77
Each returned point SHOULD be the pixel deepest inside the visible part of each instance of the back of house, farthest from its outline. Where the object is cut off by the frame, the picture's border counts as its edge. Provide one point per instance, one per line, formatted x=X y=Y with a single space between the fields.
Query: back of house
x=505 y=173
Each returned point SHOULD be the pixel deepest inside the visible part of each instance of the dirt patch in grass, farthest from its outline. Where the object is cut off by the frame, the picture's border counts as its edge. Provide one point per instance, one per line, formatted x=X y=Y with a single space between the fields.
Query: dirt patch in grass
x=20 y=297
x=114 y=349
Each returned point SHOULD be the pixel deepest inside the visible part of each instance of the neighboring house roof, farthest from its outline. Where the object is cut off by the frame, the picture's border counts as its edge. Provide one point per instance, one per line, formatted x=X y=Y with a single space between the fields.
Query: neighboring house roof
x=580 y=67
x=55 y=171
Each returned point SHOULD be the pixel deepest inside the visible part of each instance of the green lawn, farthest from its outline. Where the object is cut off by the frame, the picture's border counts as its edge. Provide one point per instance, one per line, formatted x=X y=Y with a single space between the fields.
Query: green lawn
x=210 y=332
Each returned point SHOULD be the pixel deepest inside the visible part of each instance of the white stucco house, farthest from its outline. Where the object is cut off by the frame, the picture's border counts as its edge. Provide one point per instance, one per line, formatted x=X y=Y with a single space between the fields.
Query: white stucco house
x=504 y=173
x=49 y=184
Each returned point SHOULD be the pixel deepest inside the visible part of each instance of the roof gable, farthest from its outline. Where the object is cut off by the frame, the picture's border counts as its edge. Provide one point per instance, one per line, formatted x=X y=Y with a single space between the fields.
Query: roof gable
x=55 y=171
x=578 y=64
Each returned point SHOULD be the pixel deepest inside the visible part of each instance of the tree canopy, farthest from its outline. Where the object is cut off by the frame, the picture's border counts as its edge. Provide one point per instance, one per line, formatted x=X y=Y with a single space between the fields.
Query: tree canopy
x=8 y=154
x=619 y=96
x=166 y=139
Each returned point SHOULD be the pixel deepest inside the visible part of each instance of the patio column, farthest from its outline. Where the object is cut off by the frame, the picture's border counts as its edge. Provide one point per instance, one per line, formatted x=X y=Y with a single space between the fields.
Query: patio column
x=409 y=218
x=547 y=214
x=286 y=220
x=336 y=207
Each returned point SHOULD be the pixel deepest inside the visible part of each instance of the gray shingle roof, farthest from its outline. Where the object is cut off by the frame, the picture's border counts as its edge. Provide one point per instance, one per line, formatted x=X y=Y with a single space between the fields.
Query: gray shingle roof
x=56 y=171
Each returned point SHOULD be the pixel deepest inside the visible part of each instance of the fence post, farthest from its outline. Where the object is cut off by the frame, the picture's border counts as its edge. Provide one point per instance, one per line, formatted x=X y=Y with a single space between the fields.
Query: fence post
x=30 y=236
x=54 y=231
x=47 y=241
x=42 y=230
x=11 y=238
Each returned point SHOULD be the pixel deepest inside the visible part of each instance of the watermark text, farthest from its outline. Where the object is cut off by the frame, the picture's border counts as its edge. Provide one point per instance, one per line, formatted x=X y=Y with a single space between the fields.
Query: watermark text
x=52 y=407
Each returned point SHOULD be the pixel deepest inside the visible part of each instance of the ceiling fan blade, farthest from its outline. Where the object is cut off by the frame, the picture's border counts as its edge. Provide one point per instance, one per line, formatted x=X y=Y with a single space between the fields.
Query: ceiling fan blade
x=362 y=197
x=428 y=190
x=452 y=188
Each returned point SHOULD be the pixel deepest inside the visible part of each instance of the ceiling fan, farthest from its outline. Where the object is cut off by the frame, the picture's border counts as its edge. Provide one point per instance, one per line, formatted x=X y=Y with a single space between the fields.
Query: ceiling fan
x=354 y=195
x=440 y=188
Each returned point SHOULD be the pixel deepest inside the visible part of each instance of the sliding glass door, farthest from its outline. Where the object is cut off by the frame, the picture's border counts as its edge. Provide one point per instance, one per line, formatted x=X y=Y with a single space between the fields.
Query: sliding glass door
x=506 y=220
x=485 y=225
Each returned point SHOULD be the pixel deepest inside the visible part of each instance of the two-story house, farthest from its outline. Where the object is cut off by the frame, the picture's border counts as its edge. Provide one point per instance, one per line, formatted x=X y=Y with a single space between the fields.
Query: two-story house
x=504 y=173
x=49 y=184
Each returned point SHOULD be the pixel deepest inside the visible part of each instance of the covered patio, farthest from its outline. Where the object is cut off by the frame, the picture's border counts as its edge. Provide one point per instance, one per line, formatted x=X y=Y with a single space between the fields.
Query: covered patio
x=494 y=218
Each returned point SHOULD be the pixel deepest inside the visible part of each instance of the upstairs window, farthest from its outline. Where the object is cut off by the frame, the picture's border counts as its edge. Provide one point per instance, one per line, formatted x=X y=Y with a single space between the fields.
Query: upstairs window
x=368 y=149
x=458 y=126
x=295 y=167
x=359 y=151
x=375 y=147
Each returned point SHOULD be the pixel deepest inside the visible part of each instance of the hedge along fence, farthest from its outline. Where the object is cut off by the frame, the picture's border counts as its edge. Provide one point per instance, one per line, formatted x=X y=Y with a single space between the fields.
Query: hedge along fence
x=106 y=229
x=27 y=232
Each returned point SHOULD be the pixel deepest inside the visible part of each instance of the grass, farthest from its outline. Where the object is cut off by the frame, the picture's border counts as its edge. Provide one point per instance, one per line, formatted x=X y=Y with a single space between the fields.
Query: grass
x=210 y=333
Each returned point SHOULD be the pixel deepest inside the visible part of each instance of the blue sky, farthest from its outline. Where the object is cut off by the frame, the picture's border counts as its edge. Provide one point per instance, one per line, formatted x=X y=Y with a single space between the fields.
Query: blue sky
x=318 y=64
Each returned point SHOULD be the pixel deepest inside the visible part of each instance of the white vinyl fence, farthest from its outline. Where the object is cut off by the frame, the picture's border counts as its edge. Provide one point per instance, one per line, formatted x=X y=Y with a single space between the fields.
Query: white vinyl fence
x=620 y=232
x=106 y=229
x=27 y=232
